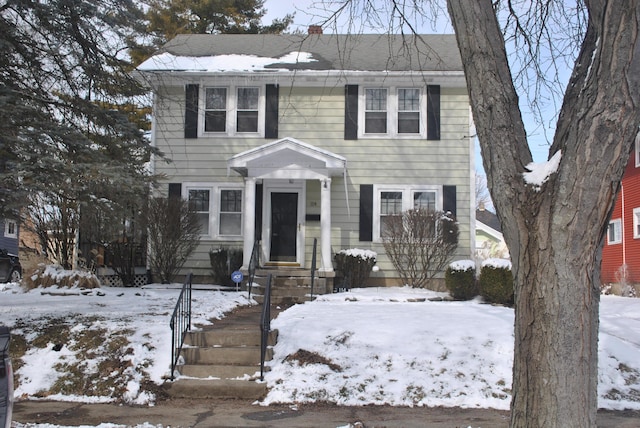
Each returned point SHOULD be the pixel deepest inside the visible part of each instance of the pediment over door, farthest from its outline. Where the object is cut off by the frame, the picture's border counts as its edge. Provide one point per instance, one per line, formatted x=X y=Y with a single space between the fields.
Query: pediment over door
x=288 y=158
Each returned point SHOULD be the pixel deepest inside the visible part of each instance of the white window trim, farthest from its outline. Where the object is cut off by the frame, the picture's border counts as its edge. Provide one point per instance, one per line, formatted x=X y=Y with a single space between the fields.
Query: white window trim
x=637 y=150
x=214 y=207
x=7 y=234
x=636 y=222
x=407 y=191
x=617 y=223
x=392 y=113
x=232 y=109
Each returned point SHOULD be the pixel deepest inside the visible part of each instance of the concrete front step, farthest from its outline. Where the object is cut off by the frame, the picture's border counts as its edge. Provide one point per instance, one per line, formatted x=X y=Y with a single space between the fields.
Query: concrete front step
x=228 y=337
x=219 y=388
x=241 y=356
x=204 y=371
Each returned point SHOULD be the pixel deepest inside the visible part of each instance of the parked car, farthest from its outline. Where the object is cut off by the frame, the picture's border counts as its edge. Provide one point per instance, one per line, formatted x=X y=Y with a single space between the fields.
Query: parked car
x=6 y=379
x=10 y=268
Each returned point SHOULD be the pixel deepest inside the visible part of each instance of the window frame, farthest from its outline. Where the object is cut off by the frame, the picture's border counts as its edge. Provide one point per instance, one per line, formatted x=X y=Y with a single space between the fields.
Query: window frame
x=636 y=223
x=7 y=225
x=393 y=112
x=407 y=191
x=617 y=225
x=232 y=109
x=636 y=149
x=215 y=192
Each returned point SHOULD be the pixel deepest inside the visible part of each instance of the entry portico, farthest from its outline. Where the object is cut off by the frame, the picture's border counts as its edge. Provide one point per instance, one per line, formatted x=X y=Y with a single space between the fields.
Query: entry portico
x=283 y=167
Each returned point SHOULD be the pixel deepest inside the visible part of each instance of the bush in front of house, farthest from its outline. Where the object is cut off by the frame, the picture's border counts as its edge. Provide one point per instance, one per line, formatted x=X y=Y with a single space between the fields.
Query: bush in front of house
x=55 y=276
x=496 y=281
x=355 y=265
x=460 y=279
x=224 y=261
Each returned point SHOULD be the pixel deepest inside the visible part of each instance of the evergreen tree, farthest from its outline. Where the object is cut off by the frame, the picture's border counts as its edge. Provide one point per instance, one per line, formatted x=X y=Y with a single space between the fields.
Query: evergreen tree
x=71 y=132
x=168 y=18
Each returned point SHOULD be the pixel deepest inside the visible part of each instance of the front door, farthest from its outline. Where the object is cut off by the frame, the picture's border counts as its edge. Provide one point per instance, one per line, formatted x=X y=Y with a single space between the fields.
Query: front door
x=284 y=226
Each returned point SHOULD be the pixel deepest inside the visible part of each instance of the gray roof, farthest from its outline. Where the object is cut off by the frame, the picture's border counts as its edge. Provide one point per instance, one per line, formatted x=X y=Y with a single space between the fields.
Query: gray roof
x=360 y=52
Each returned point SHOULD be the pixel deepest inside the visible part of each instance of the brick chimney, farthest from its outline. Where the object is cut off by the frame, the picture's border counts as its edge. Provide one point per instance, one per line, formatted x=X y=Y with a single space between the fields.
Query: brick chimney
x=315 y=29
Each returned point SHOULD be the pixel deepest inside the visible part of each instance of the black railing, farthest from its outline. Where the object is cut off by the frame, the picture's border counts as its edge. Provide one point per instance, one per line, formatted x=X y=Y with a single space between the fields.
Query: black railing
x=180 y=322
x=254 y=262
x=313 y=264
x=265 y=325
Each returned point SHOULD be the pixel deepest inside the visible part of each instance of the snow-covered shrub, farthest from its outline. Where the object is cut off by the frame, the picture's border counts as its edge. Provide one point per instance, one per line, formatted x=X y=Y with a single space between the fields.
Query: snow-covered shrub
x=496 y=281
x=55 y=276
x=460 y=279
x=355 y=266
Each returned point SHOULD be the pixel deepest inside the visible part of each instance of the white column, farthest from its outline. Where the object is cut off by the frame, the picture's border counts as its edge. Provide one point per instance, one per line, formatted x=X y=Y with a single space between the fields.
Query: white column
x=249 y=214
x=325 y=225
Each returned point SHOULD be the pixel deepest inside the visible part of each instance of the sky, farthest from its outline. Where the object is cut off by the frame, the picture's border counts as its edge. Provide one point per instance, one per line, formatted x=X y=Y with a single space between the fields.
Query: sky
x=312 y=12
x=385 y=345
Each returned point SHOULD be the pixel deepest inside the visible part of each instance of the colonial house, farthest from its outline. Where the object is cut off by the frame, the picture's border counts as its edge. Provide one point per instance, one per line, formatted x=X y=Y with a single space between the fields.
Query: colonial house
x=621 y=252
x=489 y=240
x=287 y=139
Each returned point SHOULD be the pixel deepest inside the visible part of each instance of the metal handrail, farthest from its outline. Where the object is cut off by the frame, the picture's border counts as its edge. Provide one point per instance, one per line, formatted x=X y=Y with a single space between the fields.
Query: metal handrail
x=265 y=325
x=253 y=264
x=180 y=322
x=313 y=264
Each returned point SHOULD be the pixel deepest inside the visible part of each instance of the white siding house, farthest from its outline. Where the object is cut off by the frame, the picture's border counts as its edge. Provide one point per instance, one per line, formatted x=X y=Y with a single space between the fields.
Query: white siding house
x=285 y=138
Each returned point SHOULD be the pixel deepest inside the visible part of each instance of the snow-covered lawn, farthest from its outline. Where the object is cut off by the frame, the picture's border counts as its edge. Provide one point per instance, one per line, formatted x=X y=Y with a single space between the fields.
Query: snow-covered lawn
x=368 y=346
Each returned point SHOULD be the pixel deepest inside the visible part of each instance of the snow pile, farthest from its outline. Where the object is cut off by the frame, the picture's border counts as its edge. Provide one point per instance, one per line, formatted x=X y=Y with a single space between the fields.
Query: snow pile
x=497 y=263
x=357 y=252
x=462 y=265
x=396 y=346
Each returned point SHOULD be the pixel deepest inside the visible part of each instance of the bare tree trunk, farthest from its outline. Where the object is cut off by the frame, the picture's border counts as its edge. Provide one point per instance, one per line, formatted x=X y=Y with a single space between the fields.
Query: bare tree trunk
x=555 y=233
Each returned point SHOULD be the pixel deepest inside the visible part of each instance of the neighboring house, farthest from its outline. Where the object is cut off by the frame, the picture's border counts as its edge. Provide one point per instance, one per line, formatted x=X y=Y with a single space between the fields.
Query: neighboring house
x=9 y=235
x=621 y=252
x=285 y=138
x=489 y=240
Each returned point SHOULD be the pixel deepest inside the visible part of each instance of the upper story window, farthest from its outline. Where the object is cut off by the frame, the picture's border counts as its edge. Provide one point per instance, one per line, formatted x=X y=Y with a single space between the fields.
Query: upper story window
x=637 y=150
x=393 y=112
x=233 y=110
x=10 y=229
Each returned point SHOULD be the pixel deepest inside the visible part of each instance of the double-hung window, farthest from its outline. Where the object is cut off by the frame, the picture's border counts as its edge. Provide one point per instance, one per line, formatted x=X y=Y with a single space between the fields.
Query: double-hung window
x=392 y=200
x=233 y=110
x=614 y=233
x=375 y=112
x=247 y=112
x=215 y=115
x=10 y=229
x=218 y=207
x=393 y=113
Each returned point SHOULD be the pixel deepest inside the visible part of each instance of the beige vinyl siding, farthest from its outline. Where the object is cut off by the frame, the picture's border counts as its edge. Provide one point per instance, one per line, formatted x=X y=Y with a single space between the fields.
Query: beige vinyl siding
x=316 y=116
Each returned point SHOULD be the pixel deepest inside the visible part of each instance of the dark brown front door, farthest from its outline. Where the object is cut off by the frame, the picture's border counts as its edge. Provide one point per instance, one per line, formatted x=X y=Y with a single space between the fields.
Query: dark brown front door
x=284 y=225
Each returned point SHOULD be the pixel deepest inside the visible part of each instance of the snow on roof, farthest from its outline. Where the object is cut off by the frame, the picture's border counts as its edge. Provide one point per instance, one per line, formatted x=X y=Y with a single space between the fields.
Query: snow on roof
x=234 y=62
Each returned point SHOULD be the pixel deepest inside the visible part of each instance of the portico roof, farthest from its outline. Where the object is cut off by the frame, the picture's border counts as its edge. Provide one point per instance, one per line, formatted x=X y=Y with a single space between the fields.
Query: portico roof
x=288 y=158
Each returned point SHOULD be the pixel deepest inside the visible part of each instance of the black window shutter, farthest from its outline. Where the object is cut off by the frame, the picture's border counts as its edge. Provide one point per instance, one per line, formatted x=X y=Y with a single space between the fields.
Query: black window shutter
x=175 y=190
x=433 y=112
x=351 y=112
x=258 y=223
x=449 y=203
x=366 y=212
x=271 y=112
x=191 y=111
